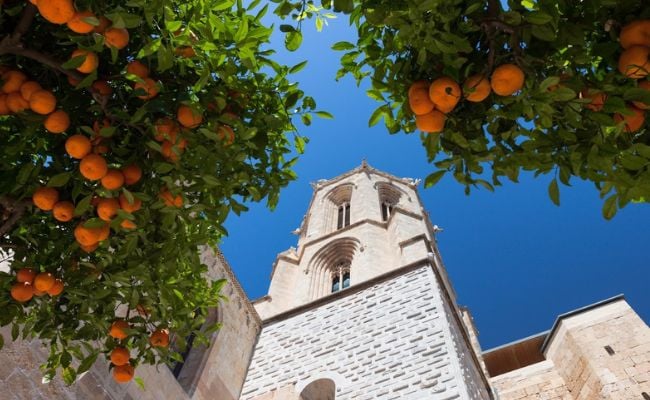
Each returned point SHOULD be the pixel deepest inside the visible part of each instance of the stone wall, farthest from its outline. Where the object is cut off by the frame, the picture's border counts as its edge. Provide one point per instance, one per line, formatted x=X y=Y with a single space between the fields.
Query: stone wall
x=392 y=339
x=536 y=381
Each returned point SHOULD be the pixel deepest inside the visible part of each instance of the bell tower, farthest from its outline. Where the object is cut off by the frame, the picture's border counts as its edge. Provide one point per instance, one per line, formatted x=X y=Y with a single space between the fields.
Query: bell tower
x=362 y=307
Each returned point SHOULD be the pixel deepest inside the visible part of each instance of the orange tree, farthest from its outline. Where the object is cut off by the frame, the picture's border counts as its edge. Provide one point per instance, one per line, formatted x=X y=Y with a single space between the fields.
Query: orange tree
x=549 y=86
x=129 y=130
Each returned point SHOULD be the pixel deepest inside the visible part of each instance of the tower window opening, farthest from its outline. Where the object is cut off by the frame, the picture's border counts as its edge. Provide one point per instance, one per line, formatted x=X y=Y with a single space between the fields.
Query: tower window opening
x=386 y=210
x=340 y=277
x=343 y=219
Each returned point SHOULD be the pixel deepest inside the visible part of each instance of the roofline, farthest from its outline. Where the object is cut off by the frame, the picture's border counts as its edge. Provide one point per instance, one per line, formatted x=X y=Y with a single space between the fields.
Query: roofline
x=577 y=311
x=503 y=346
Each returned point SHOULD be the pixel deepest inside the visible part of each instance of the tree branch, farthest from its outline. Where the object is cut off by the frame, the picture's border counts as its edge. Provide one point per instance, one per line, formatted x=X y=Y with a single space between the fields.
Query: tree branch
x=25 y=22
x=44 y=59
x=17 y=210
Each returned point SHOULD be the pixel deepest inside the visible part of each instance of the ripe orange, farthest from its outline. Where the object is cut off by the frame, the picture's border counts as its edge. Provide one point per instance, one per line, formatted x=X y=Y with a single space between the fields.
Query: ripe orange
x=166 y=129
x=127 y=206
x=107 y=209
x=113 y=179
x=476 y=88
x=159 y=338
x=597 y=99
x=415 y=86
x=63 y=211
x=138 y=69
x=45 y=198
x=123 y=373
x=172 y=152
x=56 y=289
x=634 y=63
x=445 y=93
x=39 y=293
x=78 y=146
x=42 y=102
x=188 y=117
x=638 y=104
x=57 y=122
x=16 y=103
x=22 y=291
x=56 y=11
x=104 y=23
x=78 y=24
x=86 y=236
x=419 y=100
x=507 y=79
x=91 y=61
x=102 y=87
x=25 y=275
x=432 y=122
x=89 y=249
x=43 y=281
x=4 y=109
x=132 y=174
x=128 y=224
x=185 y=51
x=12 y=81
x=120 y=356
x=171 y=200
x=636 y=33
x=103 y=232
x=93 y=167
x=149 y=86
x=116 y=37
x=226 y=135
x=28 y=88
x=118 y=328
x=634 y=121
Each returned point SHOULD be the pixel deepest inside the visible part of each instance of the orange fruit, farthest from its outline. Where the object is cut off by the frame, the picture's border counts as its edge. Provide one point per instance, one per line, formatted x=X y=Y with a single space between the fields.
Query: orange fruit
x=25 y=275
x=185 y=51
x=138 y=69
x=89 y=249
x=170 y=200
x=597 y=99
x=226 y=135
x=102 y=87
x=86 y=236
x=91 y=61
x=419 y=100
x=636 y=33
x=16 y=103
x=118 y=328
x=634 y=63
x=116 y=37
x=432 y=122
x=103 y=232
x=132 y=174
x=417 y=85
x=445 y=93
x=56 y=11
x=78 y=146
x=12 y=81
x=28 y=88
x=77 y=23
x=128 y=206
x=39 y=293
x=166 y=129
x=56 y=289
x=43 y=282
x=159 y=338
x=476 y=88
x=120 y=356
x=73 y=81
x=113 y=179
x=22 y=292
x=123 y=373
x=104 y=23
x=57 y=122
x=188 y=117
x=4 y=109
x=107 y=209
x=149 y=86
x=63 y=211
x=93 y=167
x=42 y=102
x=170 y=151
x=638 y=104
x=507 y=79
x=128 y=224
x=45 y=198
x=634 y=121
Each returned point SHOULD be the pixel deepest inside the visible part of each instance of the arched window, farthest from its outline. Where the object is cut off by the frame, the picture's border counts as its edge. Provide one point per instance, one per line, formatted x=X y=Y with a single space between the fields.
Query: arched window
x=386 y=210
x=330 y=269
x=340 y=276
x=339 y=204
x=321 y=389
x=343 y=218
x=389 y=197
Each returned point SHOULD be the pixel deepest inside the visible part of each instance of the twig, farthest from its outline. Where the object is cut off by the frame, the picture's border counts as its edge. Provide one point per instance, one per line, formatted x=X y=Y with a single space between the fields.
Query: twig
x=44 y=59
x=25 y=22
x=17 y=210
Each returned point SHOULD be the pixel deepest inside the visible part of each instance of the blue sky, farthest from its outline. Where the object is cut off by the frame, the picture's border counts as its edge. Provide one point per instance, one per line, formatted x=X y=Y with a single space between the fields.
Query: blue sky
x=515 y=259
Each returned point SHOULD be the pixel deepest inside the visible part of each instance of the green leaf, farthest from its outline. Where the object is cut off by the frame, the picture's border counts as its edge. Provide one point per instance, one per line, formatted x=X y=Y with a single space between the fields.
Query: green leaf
x=554 y=192
x=433 y=178
x=324 y=114
x=293 y=40
x=298 y=67
x=637 y=94
x=377 y=115
x=87 y=362
x=69 y=375
x=341 y=46
x=544 y=32
x=538 y=18
x=345 y=6
x=59 y=179
x=139 y=382
x=609 y=207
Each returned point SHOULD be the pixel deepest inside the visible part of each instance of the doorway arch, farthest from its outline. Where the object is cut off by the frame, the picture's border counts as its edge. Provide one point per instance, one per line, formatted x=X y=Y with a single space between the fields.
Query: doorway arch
x=320 y=389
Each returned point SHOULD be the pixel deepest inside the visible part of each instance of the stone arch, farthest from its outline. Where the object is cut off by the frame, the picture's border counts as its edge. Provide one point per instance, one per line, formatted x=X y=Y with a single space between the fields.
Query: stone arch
x=336 y=379
x=338 y=207
x=389 y=196
x=320 y=389
x=334 y=254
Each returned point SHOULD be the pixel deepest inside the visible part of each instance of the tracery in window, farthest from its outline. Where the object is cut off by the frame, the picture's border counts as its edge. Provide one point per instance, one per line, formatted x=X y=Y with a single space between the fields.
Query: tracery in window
x=389 y=197
x=340 y=276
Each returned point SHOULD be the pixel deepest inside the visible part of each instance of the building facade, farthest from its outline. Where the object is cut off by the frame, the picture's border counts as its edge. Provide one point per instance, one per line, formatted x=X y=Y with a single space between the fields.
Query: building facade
x=362 y=308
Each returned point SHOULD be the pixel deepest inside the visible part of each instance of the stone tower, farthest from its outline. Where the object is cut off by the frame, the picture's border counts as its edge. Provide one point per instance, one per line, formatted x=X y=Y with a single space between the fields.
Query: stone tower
x=362 y=308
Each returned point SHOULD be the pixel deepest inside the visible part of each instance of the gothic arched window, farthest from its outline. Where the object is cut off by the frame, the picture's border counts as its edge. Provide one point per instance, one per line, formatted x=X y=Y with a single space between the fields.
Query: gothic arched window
x=389 y=197
x=343 y=218
x=340 y=276
x=339 y=204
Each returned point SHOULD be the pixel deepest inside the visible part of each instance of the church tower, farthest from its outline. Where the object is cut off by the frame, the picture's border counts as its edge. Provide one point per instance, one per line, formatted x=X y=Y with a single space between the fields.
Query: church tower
x=362 y=308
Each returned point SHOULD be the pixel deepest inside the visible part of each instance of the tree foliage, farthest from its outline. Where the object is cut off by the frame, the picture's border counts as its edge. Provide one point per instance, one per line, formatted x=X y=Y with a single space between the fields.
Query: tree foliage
x=569 y=52
x=209 y=55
